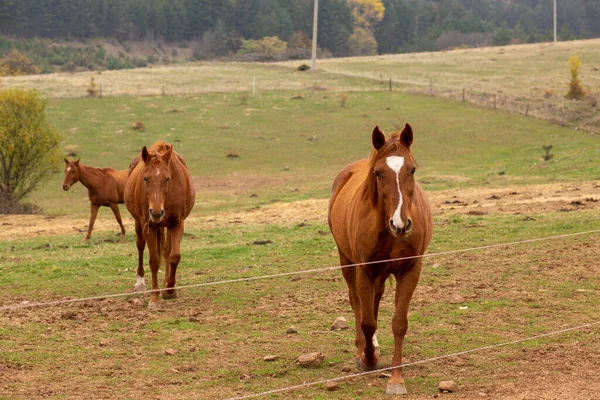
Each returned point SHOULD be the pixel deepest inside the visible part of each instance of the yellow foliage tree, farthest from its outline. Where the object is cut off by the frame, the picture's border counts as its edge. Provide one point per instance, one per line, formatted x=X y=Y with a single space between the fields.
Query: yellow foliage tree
x=575 y=89
x=28 y=146
x=366 y=12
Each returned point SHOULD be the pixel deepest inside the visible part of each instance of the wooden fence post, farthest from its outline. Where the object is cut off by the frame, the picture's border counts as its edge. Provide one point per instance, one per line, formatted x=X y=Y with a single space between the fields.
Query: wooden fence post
x=431 y=87
x=494 y=101
x=163 y=90
x=463 y=97
x=390 y=83
x=526 y=109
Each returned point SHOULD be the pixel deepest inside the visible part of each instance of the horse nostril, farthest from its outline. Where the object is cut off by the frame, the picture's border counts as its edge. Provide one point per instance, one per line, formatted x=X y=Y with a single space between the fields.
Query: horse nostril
x=408 y=225
x=392 y=226
x=150 y=211
x=162 y=213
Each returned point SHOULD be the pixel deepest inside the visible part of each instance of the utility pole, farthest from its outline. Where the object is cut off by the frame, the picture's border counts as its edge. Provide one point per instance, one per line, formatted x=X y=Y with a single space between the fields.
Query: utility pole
x=313 y=64
x=554 y=21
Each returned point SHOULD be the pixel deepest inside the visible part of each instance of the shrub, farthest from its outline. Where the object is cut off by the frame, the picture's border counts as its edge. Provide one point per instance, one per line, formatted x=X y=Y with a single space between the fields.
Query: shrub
x=28 y=145
x=265 y=49
x=575 y=89
x=17 y=63
x=92 y=89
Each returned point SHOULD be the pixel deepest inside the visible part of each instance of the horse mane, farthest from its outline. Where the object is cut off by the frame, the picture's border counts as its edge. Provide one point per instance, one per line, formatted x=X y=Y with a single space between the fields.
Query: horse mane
x=159 y=147
x=370 y=185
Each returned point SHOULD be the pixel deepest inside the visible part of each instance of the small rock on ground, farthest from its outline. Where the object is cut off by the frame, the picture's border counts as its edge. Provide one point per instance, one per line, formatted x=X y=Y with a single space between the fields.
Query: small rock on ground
x=339 y=323
x=291 y=330
x=312 y=360
x=331 y=386
x=448 y=386
x=271 y=357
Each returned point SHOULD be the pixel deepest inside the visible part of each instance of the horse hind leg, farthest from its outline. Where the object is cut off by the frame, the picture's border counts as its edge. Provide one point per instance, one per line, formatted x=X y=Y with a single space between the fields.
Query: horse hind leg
x=115 y=209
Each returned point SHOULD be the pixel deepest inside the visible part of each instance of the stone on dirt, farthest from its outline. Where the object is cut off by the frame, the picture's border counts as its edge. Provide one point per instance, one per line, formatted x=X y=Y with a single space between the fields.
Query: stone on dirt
x=271 y=357
x=170 y=352
x=448 y=386
x=291 y=330
x=311 y=360
x=339 y=323
x=456 y=299
x=136 y=302
x=331 y=386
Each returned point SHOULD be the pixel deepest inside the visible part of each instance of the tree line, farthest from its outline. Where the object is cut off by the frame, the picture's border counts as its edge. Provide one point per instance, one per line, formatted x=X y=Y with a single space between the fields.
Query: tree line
x=346 y=27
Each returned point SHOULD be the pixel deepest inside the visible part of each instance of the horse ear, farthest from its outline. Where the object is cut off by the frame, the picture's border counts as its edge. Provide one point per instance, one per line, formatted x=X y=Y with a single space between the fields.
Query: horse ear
x=168 y=154
x=406 y=136
x=77 y=161
x=66 y=161
x=378 y=138
x=145 y=154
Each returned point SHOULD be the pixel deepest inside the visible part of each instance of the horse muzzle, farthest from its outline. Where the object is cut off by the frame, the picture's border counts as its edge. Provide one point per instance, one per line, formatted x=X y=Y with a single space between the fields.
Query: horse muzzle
x=66 y=187
x=405 y=230
x=156 y=217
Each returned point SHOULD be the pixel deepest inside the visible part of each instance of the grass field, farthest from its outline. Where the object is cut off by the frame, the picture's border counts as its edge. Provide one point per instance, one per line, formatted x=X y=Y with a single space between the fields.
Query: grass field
x=487 y=181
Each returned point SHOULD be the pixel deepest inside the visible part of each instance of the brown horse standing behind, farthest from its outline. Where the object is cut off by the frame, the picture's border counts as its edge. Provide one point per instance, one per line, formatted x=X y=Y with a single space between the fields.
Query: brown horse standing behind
x=105 y=188
x=159 y=194
x=378 y=212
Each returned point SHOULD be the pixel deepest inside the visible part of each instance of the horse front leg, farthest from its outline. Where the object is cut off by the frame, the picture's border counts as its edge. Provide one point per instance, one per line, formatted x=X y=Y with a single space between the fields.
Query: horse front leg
x=350 y=278
x=93 y=214
x=172 y=257
x=405 y=287
x=368 y=353
x=140 y=284
x=115 y=209
x=151 y=235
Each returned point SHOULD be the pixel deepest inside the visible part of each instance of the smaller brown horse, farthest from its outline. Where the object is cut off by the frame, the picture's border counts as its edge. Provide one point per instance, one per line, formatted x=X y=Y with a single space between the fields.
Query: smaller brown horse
x=159 y=194
x=377 y=212
x=105 y=188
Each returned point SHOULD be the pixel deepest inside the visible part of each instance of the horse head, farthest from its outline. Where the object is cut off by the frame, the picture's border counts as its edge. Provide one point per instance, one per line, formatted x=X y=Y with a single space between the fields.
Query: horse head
x=156 y=174
x=71 y=174
x=391 y=178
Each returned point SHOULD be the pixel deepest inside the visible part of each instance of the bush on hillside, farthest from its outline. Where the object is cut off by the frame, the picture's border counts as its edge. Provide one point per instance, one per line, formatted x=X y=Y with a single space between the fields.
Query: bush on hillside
x=16 y=63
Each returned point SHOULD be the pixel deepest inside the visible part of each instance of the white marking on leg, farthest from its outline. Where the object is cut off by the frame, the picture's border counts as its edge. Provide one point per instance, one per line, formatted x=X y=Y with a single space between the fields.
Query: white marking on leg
x=375 y=342
x=139 y=282
x=396 y=163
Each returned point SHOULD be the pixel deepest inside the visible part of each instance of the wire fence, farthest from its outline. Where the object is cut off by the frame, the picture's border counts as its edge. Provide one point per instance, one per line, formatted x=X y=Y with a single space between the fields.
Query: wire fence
x=26 y=304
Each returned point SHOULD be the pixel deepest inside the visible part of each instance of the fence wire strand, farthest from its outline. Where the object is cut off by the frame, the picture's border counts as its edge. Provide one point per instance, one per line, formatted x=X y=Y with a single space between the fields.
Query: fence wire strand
x=291 y=273
x=424 y=361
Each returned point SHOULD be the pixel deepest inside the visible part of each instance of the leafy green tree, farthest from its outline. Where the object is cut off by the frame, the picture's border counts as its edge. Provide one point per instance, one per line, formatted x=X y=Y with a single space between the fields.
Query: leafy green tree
x=28 y=145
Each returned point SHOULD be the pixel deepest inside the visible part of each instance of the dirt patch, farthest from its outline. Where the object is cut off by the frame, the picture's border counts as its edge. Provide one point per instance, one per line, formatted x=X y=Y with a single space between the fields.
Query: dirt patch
x=525 y=200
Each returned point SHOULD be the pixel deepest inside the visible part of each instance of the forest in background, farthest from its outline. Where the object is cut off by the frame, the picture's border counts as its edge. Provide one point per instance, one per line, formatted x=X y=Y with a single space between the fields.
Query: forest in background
x=264 y=30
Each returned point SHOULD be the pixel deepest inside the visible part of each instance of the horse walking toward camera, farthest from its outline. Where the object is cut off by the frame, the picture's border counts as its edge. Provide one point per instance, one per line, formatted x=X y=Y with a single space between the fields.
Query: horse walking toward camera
x=159 y=195
x=378 y=212
x=105 y=188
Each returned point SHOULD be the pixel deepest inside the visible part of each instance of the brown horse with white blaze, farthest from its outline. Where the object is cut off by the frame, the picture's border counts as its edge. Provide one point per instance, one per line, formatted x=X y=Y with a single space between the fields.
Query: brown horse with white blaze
x=159 y=195
x=105 y=188
x=378 y=212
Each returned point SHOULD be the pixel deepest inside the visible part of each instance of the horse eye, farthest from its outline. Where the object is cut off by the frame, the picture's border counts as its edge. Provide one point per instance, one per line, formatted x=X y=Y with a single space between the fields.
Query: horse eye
x=412 y=171
x=167 y=179
x=146 y=179
x=378 y=174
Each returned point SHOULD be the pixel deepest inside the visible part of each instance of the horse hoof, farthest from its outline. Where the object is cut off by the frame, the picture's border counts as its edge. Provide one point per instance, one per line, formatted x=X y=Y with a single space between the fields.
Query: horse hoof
x=167 y=296
x=360 y=365
x=153 y=306
x=396 y=388
x=140 y=288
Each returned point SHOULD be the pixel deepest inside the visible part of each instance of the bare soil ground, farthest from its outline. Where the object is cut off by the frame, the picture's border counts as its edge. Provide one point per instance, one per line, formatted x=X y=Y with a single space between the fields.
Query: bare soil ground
x=524 y=200
x=548 y=371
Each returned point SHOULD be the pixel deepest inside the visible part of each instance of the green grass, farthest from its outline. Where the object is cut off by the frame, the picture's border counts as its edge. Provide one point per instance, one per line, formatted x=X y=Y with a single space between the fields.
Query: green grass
x=455 y=145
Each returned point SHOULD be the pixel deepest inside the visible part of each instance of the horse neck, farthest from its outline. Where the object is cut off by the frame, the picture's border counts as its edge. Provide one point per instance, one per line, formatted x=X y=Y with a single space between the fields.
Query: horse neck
x=89 y=177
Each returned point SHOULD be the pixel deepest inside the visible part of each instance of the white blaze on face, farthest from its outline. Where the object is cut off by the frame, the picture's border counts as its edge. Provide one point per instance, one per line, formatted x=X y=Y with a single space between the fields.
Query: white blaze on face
x=395 y=163
x=157 y=172
x=68 y=169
